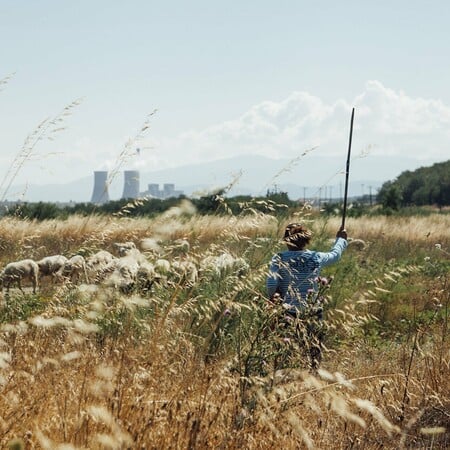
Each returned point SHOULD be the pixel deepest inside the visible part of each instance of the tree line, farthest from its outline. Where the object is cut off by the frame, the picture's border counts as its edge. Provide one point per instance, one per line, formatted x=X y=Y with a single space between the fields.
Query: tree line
x=424 y=186
x=215 y=203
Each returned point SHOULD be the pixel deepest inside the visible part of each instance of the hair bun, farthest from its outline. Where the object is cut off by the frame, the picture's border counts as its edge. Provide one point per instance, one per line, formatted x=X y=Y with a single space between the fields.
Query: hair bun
x=297 y=234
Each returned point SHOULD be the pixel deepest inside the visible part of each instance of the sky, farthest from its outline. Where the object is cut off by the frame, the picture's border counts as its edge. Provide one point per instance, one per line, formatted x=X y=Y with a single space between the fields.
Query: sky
x=189 y=82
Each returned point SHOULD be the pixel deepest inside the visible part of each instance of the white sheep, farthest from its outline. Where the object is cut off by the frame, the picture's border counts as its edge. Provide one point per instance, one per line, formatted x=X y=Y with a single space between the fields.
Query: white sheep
x=186 y=270
x=74 y=269
x=219 y=265
x=146 y=276
x=97 y=263
x=102 y=257
x=51 y=266
x=129 y=249
x=19 y=270
x=124 y=248
x=122 y=273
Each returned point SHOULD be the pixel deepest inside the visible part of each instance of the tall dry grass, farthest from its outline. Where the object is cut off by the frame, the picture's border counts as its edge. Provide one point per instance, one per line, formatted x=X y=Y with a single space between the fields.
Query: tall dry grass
x=192 y=365
x=433 y=228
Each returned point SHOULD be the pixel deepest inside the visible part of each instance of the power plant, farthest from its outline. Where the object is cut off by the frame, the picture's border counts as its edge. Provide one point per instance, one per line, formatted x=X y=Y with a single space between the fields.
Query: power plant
x=131 y=184
x=100 y=193
x=167 y=191
x=131 y=188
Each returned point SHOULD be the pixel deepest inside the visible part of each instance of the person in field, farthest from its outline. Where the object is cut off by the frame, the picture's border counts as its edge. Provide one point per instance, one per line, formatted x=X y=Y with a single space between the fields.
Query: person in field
x=294 y=282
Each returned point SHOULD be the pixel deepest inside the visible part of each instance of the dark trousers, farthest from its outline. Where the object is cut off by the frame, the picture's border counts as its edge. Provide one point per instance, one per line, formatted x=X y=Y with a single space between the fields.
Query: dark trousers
x=307 y=328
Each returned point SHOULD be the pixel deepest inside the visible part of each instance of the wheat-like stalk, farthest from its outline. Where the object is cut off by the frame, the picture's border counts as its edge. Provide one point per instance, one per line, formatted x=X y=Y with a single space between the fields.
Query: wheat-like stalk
x=46 y=129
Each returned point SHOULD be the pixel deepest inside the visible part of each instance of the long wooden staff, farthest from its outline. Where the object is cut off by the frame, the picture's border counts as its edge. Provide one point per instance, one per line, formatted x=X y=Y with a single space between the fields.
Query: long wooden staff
x=347 y=170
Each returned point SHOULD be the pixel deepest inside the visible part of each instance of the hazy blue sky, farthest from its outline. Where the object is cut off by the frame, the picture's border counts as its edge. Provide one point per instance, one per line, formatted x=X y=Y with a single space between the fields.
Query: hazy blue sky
x=260 y=77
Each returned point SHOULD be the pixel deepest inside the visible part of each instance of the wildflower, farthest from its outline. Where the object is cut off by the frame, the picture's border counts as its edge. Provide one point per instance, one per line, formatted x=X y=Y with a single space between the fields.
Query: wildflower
x=438 y=246
x=227 y=312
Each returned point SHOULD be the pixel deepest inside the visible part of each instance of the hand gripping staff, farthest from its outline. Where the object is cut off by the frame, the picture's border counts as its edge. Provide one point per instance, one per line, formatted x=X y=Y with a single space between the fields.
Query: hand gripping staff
x=347 y=171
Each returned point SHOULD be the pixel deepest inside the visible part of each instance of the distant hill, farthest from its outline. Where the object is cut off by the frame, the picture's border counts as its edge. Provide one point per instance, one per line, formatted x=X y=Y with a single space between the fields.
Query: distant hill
x=423 y=186
x=310 y=176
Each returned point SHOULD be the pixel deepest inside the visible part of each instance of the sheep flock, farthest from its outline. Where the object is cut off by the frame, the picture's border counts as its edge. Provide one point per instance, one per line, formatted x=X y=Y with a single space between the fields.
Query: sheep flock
x=128 y=269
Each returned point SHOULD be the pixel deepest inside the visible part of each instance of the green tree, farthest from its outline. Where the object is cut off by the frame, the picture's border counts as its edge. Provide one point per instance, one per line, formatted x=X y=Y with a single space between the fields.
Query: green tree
x=391 y=195
x=424 y=186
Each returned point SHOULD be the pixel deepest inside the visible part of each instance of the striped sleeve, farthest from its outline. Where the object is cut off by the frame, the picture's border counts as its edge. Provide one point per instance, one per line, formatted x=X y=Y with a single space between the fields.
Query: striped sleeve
x=334 y=255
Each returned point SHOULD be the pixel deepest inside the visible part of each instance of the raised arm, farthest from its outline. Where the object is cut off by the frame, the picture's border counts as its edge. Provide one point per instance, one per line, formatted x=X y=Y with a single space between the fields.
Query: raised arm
x=334 y=255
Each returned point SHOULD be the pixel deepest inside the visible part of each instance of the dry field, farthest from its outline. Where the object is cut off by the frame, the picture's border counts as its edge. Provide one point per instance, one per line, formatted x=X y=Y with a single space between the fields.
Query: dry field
x=194 y=362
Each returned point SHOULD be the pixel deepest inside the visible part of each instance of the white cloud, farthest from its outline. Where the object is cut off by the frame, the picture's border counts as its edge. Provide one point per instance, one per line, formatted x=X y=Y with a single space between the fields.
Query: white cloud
x=389 y=122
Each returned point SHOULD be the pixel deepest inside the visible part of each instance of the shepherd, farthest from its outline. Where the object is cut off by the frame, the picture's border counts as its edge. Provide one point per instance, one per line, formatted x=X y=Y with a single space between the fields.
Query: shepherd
x=294 y=277
x=294 y=281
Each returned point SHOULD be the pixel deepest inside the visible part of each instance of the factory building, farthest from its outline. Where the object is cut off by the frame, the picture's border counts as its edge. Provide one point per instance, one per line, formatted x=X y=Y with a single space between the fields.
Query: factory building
x=168 y=191
x=131 y=188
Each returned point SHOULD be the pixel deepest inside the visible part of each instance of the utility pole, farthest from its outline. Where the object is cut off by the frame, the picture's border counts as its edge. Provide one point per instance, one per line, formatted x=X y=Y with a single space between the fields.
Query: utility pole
x=370 y=195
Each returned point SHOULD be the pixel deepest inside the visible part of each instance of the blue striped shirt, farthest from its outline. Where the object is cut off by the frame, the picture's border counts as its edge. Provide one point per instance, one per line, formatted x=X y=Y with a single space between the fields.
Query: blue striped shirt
x=293 y=273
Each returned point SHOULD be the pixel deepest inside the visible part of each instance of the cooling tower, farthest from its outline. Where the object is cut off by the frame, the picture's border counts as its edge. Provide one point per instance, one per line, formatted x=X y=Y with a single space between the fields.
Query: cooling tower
x=169 y=190
x=100 y=193
x=131 y=184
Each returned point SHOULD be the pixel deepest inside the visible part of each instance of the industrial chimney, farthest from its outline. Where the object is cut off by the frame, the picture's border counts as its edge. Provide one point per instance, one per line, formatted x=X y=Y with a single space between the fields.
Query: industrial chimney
x=100 y=193
x=131 y=184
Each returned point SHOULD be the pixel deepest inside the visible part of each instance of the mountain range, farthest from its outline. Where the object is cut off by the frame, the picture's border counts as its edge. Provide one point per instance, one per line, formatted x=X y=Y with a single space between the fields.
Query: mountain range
x=309 y=176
